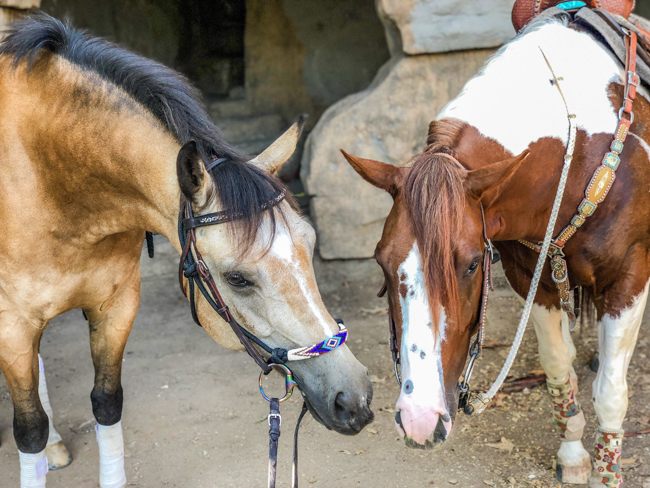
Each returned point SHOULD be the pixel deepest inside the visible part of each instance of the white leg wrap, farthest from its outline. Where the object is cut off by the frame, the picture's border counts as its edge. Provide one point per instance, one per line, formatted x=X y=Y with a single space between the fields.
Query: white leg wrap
x=53 y=436
x=33 y=468
x=111 y=456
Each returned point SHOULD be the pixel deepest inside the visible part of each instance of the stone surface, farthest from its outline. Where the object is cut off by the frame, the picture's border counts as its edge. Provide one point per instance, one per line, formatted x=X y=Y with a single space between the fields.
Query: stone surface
x=21 y=4
x=433 y=26
x=387 y=122
x=304 y=55
x=7 y=16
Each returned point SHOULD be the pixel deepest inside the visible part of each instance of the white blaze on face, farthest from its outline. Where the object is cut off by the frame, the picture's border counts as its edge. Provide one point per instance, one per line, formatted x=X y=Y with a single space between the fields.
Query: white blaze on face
x=284 y=249
x=421 y=401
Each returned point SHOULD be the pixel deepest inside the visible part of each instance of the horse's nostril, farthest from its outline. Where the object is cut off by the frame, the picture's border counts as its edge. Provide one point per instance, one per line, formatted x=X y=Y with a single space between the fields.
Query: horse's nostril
x=398 y=419
x=342 y=409
x=351 y=411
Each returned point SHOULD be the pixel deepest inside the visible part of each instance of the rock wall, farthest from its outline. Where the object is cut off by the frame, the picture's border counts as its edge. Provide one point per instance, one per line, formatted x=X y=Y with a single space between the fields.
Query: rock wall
x=389 y=120
x=304 y=55
x=434 y=26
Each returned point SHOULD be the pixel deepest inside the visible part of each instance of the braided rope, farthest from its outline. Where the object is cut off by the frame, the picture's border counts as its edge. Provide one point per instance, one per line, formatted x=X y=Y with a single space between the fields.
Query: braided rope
x=483 y=399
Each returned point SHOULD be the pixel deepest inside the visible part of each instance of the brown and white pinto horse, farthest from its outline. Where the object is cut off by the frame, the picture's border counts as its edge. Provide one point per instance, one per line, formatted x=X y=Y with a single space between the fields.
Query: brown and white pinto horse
x=90 y=159
x=500 y=144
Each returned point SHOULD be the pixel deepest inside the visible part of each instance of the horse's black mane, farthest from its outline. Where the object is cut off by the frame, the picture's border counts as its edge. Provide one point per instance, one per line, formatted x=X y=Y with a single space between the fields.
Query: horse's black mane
x=242 y=188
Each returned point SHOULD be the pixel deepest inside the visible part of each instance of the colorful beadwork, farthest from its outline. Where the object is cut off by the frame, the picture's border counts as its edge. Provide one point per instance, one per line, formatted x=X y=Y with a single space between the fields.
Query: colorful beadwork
x=607 y=458
x=568 y=418
x=321 y=348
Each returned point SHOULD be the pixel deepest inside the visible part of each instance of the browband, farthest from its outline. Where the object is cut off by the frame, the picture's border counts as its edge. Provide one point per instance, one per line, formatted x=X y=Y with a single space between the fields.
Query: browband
x=223 y=216
x=215 y=163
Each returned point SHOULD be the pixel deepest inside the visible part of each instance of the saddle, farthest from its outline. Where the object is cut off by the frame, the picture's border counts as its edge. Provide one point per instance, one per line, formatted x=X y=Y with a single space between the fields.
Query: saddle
x=525 y=10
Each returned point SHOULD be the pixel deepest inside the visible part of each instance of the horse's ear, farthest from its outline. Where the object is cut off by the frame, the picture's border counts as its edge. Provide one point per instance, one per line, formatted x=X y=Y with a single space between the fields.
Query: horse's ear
x=487 y=183
x=274 y=156
x=191 y=175
x=381 y=175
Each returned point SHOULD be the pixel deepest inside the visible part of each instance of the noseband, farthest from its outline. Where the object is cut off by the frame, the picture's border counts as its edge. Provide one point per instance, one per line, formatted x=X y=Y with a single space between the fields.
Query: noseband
x=193 y=267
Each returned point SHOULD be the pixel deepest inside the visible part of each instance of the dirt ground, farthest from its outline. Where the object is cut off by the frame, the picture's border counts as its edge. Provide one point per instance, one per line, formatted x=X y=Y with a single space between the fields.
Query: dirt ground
x=193 y=417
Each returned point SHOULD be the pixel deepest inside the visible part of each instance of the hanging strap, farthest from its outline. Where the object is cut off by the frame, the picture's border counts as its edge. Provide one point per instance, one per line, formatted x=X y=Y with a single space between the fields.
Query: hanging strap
x=275 y=420
x=149 y=238
x=294 y=469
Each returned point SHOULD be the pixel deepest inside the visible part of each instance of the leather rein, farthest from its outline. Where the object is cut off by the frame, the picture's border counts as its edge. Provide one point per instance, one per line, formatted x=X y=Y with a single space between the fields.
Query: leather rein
x=193 y=267
x=490 y=256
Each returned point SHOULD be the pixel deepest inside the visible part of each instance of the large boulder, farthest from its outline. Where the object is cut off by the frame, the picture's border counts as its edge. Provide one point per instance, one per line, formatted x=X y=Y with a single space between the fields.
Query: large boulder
x=20 y=4
x=387 y=122
x=425 y=26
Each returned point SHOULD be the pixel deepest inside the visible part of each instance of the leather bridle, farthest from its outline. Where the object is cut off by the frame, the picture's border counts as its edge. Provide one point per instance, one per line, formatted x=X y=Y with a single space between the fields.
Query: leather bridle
x=193 y=267
x=490 y=256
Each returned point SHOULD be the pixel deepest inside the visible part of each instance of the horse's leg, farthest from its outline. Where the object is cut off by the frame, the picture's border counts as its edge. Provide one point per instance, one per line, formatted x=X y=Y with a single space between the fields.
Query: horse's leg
x=19 y=363
x=57 y=454
x=568 y=340
x=555 y=355
x=110 y=326
x=617 y=335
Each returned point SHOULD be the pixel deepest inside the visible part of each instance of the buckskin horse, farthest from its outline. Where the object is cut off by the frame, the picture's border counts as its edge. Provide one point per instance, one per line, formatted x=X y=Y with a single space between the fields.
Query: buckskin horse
x=499 y=148
x=98 y=146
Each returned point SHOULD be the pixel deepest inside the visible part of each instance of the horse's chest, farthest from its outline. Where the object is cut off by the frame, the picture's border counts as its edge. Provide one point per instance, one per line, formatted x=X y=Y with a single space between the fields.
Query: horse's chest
x=63 y=277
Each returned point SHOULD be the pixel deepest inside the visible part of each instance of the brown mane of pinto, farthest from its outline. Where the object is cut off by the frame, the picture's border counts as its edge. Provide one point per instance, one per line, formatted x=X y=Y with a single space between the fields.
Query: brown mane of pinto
x=435 y=198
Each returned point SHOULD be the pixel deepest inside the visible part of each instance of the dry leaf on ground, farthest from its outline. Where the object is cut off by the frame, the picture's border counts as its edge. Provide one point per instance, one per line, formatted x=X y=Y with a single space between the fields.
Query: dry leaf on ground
x=503 y=445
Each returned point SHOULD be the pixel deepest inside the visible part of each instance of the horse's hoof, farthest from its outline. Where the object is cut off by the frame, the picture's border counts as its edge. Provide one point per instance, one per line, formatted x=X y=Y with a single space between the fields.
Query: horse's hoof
x=573 y=464
x=58 y=456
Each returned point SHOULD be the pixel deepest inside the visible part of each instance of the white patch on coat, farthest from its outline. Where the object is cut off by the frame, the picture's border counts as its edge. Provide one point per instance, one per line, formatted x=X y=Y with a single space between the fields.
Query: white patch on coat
x=554 y=354
x=573 y=453
x=420 y=353
x=644 y=144
x=617 y=337
x=512 y=100
x=284 y=249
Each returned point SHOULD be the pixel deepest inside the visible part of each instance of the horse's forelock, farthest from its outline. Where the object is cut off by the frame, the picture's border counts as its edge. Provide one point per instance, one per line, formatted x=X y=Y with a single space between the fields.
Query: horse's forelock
x=435 y=199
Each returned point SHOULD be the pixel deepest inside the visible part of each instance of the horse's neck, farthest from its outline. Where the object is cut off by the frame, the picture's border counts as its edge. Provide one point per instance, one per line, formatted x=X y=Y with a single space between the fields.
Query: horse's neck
x=100 y=158
x=513 y=104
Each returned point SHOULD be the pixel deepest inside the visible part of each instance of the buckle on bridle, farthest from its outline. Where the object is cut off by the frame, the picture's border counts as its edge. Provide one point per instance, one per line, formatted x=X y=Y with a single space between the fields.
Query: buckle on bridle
x=274 y=416
x=204 y=271
x=622 y=111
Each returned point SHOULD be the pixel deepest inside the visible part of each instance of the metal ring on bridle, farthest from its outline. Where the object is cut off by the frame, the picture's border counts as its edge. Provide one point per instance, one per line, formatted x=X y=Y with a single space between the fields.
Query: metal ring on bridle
x=289 y=382
x=622 y=111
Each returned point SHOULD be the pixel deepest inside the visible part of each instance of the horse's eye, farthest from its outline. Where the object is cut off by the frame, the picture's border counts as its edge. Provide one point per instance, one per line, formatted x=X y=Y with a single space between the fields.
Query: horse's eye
x=237 y=279
x=473 y=266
